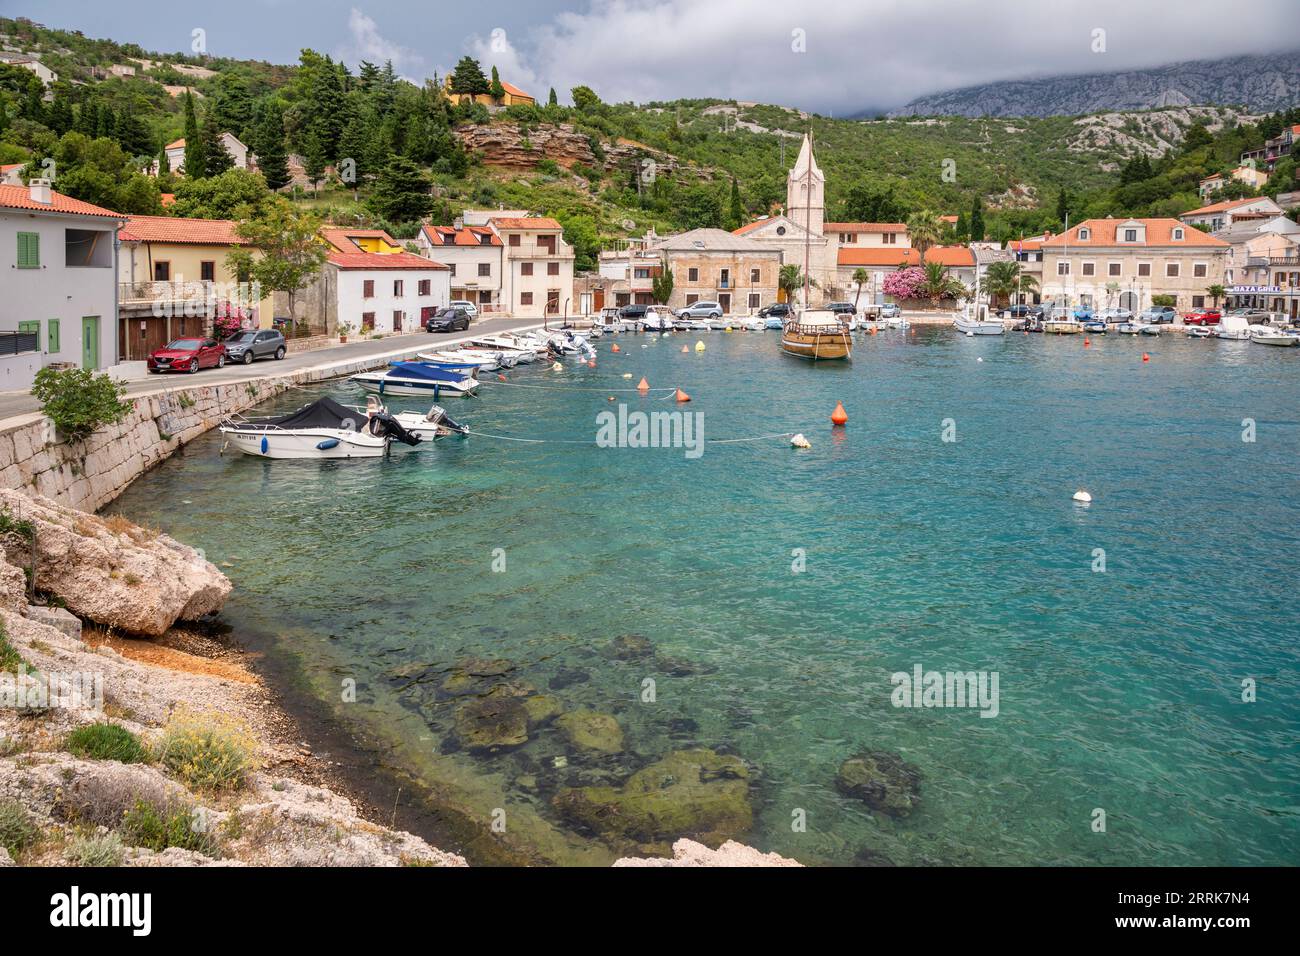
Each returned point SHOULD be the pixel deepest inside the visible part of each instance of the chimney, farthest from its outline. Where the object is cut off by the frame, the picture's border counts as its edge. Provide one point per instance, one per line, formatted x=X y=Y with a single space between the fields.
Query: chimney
x=40 y=191
x=458 y=223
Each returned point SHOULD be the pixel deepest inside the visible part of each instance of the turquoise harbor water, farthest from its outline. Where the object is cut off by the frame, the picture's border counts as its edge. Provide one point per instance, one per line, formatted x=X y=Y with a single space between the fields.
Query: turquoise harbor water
x=1118 y=690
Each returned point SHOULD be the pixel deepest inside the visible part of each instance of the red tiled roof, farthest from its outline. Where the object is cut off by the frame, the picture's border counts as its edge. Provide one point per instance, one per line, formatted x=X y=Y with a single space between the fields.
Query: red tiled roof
x=20 y=197
x=514 y=90
x=9 y=167
x=527 y=222
x=865 y=227
x=951 y=256
x=340 y=238
x=952 y=219
x=168 y=199
x=750 y=227
x=178 y=144
x=466 y=236
x=1159 y=233
x=383 y=262
x=1222 y=206
x=1025 y=245
x=204 y=232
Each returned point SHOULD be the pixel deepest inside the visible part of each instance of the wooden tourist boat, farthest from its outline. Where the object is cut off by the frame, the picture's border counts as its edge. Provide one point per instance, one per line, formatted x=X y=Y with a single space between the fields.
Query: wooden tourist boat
x=816 y=334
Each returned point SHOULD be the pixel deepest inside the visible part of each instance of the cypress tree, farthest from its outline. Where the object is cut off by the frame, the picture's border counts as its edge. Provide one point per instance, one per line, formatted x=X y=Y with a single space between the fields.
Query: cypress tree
x=272 y=158
x=977 y=220
x=216 y=158
x=552 y=100
x=495 y=89
x=196 y=165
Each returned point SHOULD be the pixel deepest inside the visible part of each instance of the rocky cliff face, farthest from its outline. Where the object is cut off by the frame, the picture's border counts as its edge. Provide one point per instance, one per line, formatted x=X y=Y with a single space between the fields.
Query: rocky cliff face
x=510 y=146
x=1264 y=83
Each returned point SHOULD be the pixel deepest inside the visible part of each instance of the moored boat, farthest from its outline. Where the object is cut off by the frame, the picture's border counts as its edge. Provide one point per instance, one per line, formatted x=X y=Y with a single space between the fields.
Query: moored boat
x=1264 y=335
x=976 y=321
x=451 y=380
x=816 y=334
x=321 y=429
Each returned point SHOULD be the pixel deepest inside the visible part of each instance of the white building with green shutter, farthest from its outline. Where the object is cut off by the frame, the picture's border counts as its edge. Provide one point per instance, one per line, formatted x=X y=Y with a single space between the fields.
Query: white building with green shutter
x=58 y=283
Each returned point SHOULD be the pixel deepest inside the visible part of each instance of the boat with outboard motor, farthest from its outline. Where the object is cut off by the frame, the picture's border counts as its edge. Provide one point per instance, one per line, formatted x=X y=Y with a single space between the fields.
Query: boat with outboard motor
x=976 y=320
x=449 y=379
x=320 y=429
x=486 y=359
x=427 y=426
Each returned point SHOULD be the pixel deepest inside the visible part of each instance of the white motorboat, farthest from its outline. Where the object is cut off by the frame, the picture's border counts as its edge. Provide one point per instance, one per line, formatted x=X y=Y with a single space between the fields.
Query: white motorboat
x=1266 y=335
x=717 y=325
x=1235 y=327
x=428 y=426
x=657 y=318
x=896 y=322
x=1199 y=332
x=522 y=350
x=486 y=359
x=450 y=380
x=321 y=429
x=750 y=325
x=976 y=321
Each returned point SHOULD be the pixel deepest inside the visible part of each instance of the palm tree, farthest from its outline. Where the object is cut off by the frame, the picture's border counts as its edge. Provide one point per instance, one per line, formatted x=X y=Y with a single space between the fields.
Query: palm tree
x=790 y=280
x=1004 y=279
x=860 y=277
x=924 y=229
x=1216 y=292
x=939 y=285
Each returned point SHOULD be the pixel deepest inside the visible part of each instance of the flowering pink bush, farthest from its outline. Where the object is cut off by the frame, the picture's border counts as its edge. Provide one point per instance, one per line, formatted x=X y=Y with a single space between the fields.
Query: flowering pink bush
x=905 y=283
x=227 y=325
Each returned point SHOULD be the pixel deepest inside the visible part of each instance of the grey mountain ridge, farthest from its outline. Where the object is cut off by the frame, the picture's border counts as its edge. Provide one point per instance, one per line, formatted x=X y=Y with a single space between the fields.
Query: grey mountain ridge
x=1261 y=82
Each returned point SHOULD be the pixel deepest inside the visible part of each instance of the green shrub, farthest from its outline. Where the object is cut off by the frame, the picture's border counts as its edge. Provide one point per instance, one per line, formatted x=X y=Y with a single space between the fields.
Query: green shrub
x=99 y=849
x=208 y=752
x=11 y=662
x=157 y=829
x=104 y=741
x=17 y=831
x=79 y=401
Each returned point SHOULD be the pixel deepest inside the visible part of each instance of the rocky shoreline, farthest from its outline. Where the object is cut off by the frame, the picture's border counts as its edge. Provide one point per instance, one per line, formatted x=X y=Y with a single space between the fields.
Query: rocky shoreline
x=130 y=736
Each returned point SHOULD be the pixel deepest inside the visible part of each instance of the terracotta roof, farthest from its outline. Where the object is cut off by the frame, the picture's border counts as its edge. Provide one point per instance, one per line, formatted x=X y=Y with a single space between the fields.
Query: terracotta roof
x=527 y=222
x=204 y=232
x=466 y=236
x=750 y=227
x=951 y=256
x=1025 y=245
x=9 y=167
x=168 y=199
x=340 y=238
x=179 y=144
x=952 y=219
x=20 y=197
x=514 y=90
x=1159 y=233
x=380 y=262
x=864 y=227
x=1222 y=206
x=1215 y=176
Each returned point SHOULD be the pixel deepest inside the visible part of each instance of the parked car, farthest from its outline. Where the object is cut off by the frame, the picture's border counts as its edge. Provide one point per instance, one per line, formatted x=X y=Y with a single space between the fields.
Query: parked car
x=1159 y=315
x=890 y=310
x=187 y=355
x=777 y=310
x=1253 y=316
x=1023 y=311
x=466 y=306
x=251 y=344
x=701 y=310
x=1083 y=313
x=1115 y=315
x=633 y=312
x=1202 y=317
x=447 y=320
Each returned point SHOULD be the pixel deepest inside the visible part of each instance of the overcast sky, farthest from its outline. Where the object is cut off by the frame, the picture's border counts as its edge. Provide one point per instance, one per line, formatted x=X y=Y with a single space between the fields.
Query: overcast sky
x=830 y=56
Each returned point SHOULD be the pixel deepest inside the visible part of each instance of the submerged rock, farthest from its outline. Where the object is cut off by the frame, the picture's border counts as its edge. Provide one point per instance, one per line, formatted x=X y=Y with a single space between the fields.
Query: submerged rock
x=631 y=647
x=882 y=780
x=542 y=709
x=475 y=675
x=567 y=677
x=590 y=730
x=694 y=793
x=113 y=572
x=487 y=724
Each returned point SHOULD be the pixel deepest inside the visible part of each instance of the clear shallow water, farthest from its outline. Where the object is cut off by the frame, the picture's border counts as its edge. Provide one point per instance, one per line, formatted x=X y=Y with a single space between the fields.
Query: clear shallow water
x=1118 y=690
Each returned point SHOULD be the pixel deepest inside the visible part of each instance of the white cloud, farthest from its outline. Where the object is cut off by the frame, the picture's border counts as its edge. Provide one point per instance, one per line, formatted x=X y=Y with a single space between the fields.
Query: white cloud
x=858 y=54
x=365 y=42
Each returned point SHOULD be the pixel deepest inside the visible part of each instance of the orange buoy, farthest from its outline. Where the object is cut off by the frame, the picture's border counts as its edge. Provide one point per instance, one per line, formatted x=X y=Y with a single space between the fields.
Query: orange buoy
x=501 y=378
x=685 y=349
x=839 y=416
x=1145 y=357
x=643 y=385
x=591 y=364
x=873 y=330
x=1086 y=343
x=682 y=396
x=614 y=348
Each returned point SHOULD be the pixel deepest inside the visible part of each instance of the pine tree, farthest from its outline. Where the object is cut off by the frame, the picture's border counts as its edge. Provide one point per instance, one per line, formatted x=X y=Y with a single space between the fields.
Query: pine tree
x=468 y=77
x=315 y=161
x=326 y=108
x=402 y=192
x=216 y=158
x=1062 y=207
x=196 y=165
x=272 y=158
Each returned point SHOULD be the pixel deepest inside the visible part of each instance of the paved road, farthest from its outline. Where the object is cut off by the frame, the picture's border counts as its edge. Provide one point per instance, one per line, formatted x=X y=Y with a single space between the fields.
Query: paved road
x=16 y=404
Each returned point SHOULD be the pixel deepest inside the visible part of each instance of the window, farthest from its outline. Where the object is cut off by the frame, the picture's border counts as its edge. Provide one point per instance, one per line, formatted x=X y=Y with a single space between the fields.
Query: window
x=755 y=275
x=1130 y=235
x=1171 y=270
x=525 y=298
x=367 y=321
x=1198 y=301
x=848 y=237
x=485 y=268
x=162 y=271
x=780 y=230
x=514 y=238
x=638 y=273
x=1178 y=234
x=724 y=279
x=1062 y=268
x=397 y=288
x=1200 y=270
x=55 y=344
x=1084 y=235
x=889 y=238
x=525 y=268
x=208 y=270
x=424 y=287
x=1112 y=268
x=452 y=267
x=552 y=268
x=368 y=289
x=547 y=243
x=29 y=250
x=32 y=327
x=692 y=298
x=1144 y=269
x=1090 y=268
x=692 y=275
x=755 y=300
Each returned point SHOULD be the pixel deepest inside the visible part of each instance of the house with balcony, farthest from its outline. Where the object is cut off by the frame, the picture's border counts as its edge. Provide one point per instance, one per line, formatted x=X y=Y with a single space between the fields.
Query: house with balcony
x=1272 y=150
x=474 y=257
x=1124 y=262
x=174 y=281
x=1247 y=174
x=60 y=292
x=1220 y=215
x=624 y=275
x=712 y=265
x=537 y=280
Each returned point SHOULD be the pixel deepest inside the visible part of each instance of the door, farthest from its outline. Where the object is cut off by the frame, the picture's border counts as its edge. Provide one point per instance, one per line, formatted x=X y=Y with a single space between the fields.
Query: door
x=90 y=342
x=724 y=300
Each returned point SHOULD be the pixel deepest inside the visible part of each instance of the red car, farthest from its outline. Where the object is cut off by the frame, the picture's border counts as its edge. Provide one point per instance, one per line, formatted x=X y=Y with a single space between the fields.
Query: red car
x=188 y=355
x=1202 y=317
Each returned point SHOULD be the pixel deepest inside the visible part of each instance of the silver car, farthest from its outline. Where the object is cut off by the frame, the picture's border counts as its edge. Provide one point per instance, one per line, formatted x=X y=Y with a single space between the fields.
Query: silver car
x=701 y=310
x=253 y=344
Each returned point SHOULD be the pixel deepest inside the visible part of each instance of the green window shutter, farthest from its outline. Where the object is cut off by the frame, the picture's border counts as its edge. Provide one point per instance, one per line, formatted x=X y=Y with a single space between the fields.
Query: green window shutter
x=32 y=327
x=53 y=337
x=29 y=250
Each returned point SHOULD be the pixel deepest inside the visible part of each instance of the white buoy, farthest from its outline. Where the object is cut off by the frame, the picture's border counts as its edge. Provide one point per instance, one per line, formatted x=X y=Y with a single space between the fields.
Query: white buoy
x=557 y=367
x=798 y=441
x=979 y=360
x=1082 y=497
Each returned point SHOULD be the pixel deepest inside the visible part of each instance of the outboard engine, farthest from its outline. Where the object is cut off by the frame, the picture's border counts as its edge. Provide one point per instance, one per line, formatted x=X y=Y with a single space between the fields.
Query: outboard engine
x=438 y=416
x=385 y=425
